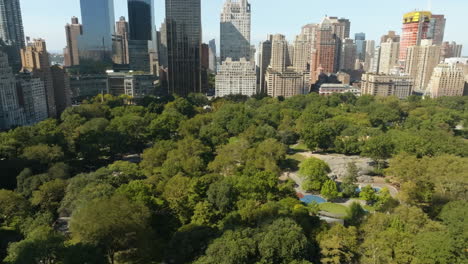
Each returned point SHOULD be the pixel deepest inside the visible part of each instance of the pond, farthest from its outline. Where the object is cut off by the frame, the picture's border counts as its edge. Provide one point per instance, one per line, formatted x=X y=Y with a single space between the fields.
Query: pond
x=313 y=198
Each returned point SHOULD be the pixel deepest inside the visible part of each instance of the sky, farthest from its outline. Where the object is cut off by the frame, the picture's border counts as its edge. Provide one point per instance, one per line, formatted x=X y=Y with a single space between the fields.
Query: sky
x=47 y=18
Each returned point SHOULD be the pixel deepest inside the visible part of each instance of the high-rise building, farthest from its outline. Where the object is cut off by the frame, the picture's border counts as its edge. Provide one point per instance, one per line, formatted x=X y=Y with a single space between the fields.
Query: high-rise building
x=35 y=59
x=390 y=35
x=280 y=79
x=389 y=52
x=348 y=55
x=62 y=91
x=32 y=98
x=236 y=77
x=386 y=85
x=420 y=25
x=138 y=55
x=446 y=80
x=375 y=62
x=98 y=26
x=450 y=50
x=324 y=51
x=120 y=42
x=310 y=31
x=264 y=61
x=420 y=63
x=235 y=30
x=11 y=114
x=141 y=19
x=437 y=29
x=290 y=55
x=205 y=65
x=341 y=27
x=183 y=23
x=11 y=30
x=162 y=46
x=370 y=52
x=302 y=48
x=72 y=32
x=360 y=40
x=212 y=56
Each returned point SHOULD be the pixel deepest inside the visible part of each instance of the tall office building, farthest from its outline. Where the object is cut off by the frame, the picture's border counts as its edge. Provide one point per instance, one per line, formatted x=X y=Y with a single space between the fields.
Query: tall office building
x=390 y=35
x=183 y=23
x=302 y=48
x=98 y=26
x=72 y=33
x=450 y=50
x=324 y=51
x=389 y=52
x=387 y=85
x=264 y=61
x=446 y=80
x=437 y=29
x=235 y=30
x=341 y=27
x=360 y=40
x=11 y=114
x=282 y=80
x=420 y=63
x=162 y=46
x=11 y=30
x=35 y=59
x=62 y=90
x=120 y=42
x=213 y=56
x=348 y=55
x=370 y=51
x=236 y=77
x=375 y=62
x=420 y=25
x=141 y=19
x=32 y=97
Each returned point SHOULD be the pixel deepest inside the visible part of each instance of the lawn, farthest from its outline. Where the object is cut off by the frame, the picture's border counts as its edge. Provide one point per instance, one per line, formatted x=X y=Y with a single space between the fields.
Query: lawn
x=301 y=147
x=299 y=157
x=334 y=208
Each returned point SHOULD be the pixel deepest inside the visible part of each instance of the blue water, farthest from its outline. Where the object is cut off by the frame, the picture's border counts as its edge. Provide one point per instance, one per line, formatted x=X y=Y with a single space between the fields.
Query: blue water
x=376 y=189
x=313 y=198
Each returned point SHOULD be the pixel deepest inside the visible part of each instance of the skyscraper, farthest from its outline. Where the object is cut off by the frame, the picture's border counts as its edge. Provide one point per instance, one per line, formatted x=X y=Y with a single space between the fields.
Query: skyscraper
x=120 y=42
x=72 y=32
x=370 y=51
x=264 y=61
x=446 y=80
x=387 y=85
x=183 y=24
x=360 y=40
x=420 y=63
x=451 y=50
x=420 y=25
x=348 y=55
x=235 y=30
x=98 y=26
x=35 y=59
x=236 y=77
x=141 y=19
x=213 y=56
x=390 y=35
x=325 y=51
x=10 y=112
x=389 y=52
x=302 y=48
x=11 y=30
x=62 y=91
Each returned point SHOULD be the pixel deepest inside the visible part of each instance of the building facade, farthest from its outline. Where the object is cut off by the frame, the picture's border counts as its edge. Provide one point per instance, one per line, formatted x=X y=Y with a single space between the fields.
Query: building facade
x=420 y=63
x=332 y=88
x=236 y=77
x=213 y=61
x=32 y=98
x=360 y=41
x=348 y=55
x=450 y=50
x=389 y=56
x=235 y=30
x=141 y=19
x=11 y=114
x=264 y=60
x=87 y=86
x=183 y=25
x=35 y=59
x=386 y=85
x=72 y=33
x=370 y=52
x=11 y=30
x=62 y=90
x=325 y=51
x=446 y=80
x=120 y=42
x=95 y=44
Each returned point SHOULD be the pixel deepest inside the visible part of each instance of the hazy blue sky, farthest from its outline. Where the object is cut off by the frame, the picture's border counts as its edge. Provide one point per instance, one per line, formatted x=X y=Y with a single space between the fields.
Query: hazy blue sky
x=46 y=18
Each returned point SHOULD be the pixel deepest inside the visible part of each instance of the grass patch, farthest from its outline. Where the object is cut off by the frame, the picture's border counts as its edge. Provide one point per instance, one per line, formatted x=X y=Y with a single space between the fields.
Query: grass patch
x=369 y=208
x=301 y=147
x=334 y=208
x=297 y=157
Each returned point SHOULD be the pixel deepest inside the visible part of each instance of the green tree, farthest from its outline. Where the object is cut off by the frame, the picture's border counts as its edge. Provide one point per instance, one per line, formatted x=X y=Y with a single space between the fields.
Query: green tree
x=114 y=224
x=43 y=154
x=49 y=195
x=368 y=194
x=315 y=172
x=339 y=245
x=355 y=214
x=13 y=208
x=222 y=195
x=378 y=148
x=330 y=190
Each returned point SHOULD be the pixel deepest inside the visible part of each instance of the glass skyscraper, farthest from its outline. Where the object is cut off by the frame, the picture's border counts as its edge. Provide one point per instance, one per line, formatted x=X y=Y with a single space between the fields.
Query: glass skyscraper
x=360 y=39
x=98 y=26
x=11 y=31
x=141 y=19
x=183 y=24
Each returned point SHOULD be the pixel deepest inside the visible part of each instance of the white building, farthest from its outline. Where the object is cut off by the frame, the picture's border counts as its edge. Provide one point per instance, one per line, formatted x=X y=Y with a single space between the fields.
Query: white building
x=236 y=77
x=332 y=88
x=389 y=55
x=420 y=63
x=11 y=113
x=400 y=86
x=235 y=30
x=446 y=80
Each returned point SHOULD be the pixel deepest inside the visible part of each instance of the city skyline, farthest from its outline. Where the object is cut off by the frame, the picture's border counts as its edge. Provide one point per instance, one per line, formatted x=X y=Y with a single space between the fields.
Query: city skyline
x=304 y=13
